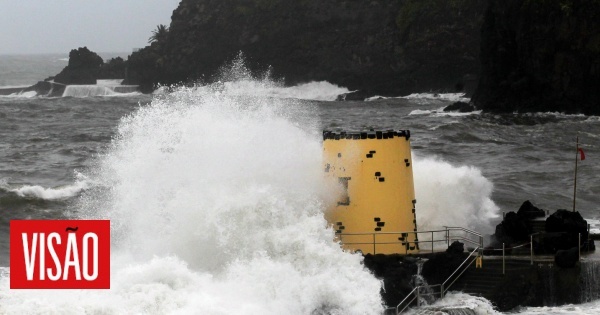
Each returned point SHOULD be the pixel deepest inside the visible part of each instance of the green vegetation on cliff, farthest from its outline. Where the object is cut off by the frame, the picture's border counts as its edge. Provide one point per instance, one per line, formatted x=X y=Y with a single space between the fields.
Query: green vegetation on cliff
x=388 y=47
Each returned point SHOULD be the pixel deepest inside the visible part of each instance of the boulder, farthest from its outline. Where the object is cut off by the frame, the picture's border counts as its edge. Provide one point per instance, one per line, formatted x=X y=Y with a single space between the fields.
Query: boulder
x=396 y=271
x=513 y=228
x=456 y=248
x=567 y=221
x=553 y=242
x=529 y=211
x=83 y=68
x=567 y=258
x=441 y=265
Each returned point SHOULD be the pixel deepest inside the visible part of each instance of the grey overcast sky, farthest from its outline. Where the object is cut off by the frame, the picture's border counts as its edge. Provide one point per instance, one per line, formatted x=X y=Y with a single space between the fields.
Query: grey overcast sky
x=57 y=26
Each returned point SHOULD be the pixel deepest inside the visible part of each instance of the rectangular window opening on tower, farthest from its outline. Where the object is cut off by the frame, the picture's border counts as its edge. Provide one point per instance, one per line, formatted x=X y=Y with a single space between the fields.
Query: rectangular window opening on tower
x=345 y=197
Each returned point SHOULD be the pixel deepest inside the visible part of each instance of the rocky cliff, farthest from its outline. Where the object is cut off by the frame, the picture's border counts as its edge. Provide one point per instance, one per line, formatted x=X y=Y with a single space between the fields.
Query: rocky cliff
x=83 y=68
x=388 y=47
x=540 y=55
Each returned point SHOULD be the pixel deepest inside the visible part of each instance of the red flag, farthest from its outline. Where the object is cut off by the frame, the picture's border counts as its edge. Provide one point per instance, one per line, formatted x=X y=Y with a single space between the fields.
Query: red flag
x=581 y=153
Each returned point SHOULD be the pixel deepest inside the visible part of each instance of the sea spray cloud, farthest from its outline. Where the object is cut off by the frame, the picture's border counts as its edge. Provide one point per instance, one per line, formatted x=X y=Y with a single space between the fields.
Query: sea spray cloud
x=217 y=203
x=450 y=195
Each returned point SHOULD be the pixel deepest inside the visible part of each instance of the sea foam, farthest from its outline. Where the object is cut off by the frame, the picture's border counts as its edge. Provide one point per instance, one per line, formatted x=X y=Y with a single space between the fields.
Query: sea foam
x=458 y=303
x=216 y=204
x=56 y=193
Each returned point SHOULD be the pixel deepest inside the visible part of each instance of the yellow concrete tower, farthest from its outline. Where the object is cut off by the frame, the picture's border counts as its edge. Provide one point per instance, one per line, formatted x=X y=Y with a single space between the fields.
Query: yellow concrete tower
x=376 y=209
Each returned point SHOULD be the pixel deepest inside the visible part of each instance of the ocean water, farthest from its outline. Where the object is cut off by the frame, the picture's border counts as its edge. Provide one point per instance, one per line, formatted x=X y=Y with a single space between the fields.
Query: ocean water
x=216 y=195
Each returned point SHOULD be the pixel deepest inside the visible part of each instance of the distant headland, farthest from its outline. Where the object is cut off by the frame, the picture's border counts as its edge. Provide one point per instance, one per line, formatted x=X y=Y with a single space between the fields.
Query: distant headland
x=509 y=56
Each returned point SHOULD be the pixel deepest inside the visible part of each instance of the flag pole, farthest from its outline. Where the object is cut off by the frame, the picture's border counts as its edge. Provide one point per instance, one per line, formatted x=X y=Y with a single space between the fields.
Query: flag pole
x=575 y=180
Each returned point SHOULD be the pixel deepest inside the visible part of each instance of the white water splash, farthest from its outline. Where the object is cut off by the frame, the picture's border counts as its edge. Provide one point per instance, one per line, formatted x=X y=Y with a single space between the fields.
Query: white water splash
x=35 y=191
x=320 y=91
x=87 y=91
x=28 y=94
x=450 y=195
x=317 y=91
x=590 y=308
x=216 y=203
x=452 y=97
x=457 y=303
x=441 y=113
x=427 y=97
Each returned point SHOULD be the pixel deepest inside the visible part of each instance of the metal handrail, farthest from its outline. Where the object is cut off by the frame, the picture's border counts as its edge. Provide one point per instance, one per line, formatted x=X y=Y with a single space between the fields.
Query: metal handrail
x=444 y=288
x=407 y=296
x=447 y=238
x=416 y=296
x=463 y=229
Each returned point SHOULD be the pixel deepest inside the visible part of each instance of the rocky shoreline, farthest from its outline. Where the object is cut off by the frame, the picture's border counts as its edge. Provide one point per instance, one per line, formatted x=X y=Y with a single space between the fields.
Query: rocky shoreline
x=85 y=67
x=525 y=284
x=510 y=56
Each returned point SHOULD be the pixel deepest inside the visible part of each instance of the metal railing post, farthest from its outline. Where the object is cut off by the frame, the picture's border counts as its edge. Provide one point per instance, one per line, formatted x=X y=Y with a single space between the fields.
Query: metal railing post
x=481 y=249
x=432 y=241
x=442 y=291
x=374 y=252
x=447 y=237
x=531 y=248
x=579 y=247
x=503 y=258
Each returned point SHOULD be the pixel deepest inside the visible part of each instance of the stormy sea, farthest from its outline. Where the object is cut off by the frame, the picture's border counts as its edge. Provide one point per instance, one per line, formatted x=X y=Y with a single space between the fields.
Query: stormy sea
x=216 y=193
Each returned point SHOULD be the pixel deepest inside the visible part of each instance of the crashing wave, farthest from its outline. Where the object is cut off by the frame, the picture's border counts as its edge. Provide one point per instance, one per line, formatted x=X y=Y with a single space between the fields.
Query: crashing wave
x=59 y=193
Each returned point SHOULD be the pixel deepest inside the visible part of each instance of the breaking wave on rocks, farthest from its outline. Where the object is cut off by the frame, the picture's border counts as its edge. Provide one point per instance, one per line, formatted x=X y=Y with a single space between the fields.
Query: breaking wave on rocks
x=449 y=195
x=216 y=204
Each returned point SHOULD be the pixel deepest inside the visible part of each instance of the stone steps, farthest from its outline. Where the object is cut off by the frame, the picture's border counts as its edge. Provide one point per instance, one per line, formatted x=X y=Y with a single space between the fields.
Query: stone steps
x=483 y=281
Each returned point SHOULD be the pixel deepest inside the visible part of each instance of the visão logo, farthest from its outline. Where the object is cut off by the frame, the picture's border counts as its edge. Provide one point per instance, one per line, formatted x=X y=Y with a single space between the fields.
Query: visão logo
x=60 y=254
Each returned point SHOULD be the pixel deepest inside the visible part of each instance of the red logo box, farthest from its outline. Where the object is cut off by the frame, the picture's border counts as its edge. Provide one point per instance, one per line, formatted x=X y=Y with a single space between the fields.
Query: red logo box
x=60 y=254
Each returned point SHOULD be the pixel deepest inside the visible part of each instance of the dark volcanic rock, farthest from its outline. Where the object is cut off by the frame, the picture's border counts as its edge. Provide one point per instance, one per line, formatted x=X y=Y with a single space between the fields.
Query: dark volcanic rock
x=83 y=68
x=144 y=69
x=567 y=258
x=529 y=211
x=440 y=266
x=386 y=47
x=113 y=69
x=460 y=107
x=540 y=56
x=45 y=88
x=513 y=228
x=396 y=271
x=456 y=248
x=9 y=91
x=567 y=221
x=553 y=242
x=516 y=227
